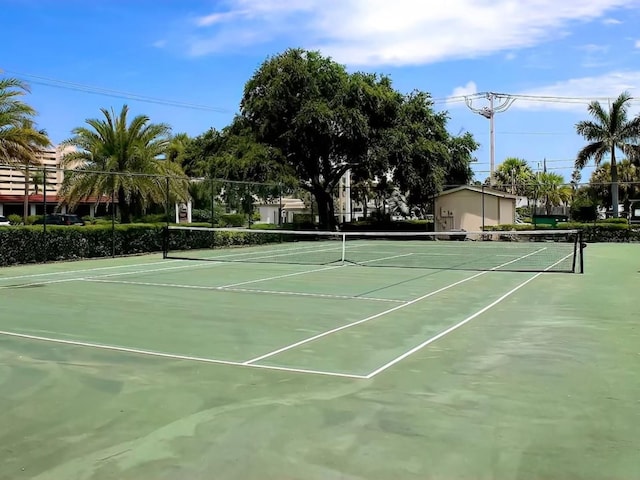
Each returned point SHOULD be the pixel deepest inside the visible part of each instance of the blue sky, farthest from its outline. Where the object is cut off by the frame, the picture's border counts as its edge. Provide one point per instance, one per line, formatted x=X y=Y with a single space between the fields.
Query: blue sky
x=202 y=53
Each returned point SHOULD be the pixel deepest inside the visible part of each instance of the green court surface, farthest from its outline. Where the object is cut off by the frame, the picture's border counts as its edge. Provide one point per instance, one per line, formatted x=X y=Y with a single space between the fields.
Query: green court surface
x=146 y=367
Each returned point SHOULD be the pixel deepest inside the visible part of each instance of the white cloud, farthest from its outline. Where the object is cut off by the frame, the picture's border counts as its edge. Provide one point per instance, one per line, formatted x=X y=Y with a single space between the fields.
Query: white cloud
x=582 y=90
x=469 y=89
x=403 y=32
x=611 y=21
x=637 y=44
x=159 y=43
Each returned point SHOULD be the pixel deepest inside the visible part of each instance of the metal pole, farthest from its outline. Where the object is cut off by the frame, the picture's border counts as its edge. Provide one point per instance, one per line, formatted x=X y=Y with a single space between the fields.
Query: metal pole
x=168 y=204
x=213 y=220
x=483 y=208
x=44 y=221
x=280 y=205
x=489 y=112
x=113 y=216
x=492 y=140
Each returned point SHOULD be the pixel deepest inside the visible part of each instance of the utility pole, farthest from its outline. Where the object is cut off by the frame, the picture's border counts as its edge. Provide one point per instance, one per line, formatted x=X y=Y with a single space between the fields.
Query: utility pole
x=489 y=112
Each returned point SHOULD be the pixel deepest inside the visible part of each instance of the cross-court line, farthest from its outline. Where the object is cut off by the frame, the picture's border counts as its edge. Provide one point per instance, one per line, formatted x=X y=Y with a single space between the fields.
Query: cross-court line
x=378 y=315
x=243 y=290
x=152 y=353
x=461 y=323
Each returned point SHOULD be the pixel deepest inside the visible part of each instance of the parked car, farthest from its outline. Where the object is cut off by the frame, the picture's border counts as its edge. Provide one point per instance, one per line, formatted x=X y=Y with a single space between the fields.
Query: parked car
x=4 y=221
x=60 y=219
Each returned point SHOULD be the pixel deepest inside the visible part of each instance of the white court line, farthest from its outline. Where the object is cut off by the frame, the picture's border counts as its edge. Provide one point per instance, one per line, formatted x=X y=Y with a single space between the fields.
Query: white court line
x=463 y=322
x=276 y=277
x=353 y=324
x=152 y=353
x=378 y=315
x=244 y=290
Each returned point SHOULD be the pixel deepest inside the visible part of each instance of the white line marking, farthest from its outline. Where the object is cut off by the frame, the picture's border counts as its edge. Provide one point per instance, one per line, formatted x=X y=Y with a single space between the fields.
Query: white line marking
x=244 y=290
x=34 y=275
x=152 y=353
x=276 y=277
x=353 y=324
x=44 y=282
x=461 y=323
x=378 y=315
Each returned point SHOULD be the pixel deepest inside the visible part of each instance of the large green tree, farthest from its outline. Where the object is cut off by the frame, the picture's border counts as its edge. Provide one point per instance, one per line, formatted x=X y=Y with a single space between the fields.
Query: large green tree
x=20 y=140
x=423 y=156
x=113 y=155
x=323 y=120
x=609 y=131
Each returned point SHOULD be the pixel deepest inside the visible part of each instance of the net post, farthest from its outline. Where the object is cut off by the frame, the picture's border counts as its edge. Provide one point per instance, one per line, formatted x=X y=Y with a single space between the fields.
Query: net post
x=581 y=252
x=575 y=252
x=165 y=241
x=344 y=247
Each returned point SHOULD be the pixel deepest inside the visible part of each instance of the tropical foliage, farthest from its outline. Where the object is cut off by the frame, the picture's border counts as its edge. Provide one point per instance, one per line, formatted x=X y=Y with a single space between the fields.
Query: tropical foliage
x=115 y=157
x=609 y=131
x=513 y=175
x=20 y=140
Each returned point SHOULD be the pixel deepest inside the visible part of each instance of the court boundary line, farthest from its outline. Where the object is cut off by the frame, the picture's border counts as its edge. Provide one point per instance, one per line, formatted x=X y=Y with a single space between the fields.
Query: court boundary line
x=463 y=322
x=385 y=312
x=245 y=290
x=175 y=356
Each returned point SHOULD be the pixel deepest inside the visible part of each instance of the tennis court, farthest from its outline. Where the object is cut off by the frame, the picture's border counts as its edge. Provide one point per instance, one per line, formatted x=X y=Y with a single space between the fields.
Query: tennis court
x=268 y=362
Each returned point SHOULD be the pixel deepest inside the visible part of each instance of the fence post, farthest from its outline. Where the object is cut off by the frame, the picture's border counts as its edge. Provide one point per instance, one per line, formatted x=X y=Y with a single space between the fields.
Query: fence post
x=483 y=224
x=279 y=204
x=213 y=195
x=113 y=215
x=168 y=202
x=44 y=217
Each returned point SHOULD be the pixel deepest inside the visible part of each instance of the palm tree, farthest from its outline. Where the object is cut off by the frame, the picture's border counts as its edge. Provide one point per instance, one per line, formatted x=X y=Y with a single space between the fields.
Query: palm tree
x=20 y=141
x=609 y=131
x=550 y=188
x=513 y=175
x=113 y=156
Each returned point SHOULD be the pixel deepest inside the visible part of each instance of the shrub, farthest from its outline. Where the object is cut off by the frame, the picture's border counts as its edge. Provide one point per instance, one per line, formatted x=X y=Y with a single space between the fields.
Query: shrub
x=15 y=219
x=373 y=225
x=591 y=232
x=232 y=220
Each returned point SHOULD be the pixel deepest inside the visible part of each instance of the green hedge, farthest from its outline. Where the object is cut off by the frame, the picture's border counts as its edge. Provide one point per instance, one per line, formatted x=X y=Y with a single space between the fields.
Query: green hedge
x=612 y=230
x=29 y=244
x=389 y=226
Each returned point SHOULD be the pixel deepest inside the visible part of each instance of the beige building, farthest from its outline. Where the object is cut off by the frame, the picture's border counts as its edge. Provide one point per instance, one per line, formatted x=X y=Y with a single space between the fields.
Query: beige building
x=471 y=208
x=12 y=186
x=273 y=212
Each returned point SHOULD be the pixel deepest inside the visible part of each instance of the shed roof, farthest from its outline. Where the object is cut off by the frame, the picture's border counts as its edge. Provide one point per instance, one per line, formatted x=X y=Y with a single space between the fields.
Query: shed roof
x=480 y=190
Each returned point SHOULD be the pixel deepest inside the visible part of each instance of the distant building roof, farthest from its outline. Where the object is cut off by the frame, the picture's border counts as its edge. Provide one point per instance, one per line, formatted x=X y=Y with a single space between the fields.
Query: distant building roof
x=478 y=189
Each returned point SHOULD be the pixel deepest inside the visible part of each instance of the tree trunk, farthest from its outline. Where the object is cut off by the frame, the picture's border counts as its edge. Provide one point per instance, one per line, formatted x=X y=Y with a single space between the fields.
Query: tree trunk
x=25 y=212
x=614 y=183
x=326 y=210
x=125 y=211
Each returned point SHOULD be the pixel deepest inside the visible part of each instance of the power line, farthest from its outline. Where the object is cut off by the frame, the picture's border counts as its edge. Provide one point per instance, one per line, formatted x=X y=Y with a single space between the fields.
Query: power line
x=51 y=82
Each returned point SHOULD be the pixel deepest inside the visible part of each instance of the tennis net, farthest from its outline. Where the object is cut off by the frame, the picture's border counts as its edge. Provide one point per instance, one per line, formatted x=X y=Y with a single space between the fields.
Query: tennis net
x=526 y=251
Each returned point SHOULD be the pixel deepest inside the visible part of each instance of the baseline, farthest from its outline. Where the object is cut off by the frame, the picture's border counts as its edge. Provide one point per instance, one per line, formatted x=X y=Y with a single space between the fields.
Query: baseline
x=152 y=353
